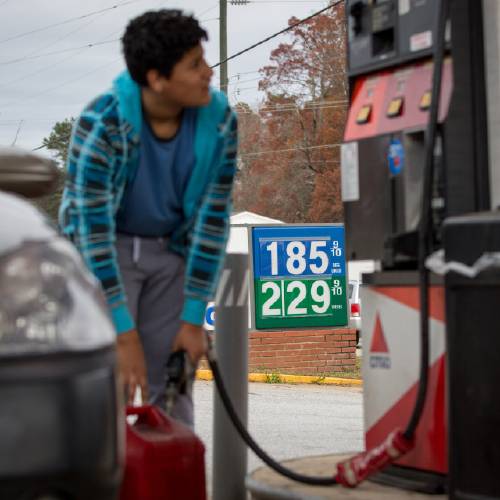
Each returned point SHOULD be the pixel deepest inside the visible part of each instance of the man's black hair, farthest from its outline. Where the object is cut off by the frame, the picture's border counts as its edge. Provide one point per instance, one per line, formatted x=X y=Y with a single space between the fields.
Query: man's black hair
x=158 y=40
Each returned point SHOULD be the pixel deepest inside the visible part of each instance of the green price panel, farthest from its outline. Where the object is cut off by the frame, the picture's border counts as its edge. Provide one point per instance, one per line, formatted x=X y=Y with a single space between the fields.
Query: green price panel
x=299 y=276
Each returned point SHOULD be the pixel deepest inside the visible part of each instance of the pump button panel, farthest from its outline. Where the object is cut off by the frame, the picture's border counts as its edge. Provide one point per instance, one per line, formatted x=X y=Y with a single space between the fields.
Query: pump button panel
x=390 y=101
x=425 y=101
x=395 y=107
x=364 y=114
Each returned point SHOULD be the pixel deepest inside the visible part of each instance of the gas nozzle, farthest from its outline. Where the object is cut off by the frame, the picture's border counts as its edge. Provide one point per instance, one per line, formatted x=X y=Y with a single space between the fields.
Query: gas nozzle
x=355 y=470
x=179 y=376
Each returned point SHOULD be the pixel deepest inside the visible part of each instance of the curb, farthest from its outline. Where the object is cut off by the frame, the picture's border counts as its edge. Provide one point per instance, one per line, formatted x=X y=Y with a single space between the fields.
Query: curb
x=290 y=379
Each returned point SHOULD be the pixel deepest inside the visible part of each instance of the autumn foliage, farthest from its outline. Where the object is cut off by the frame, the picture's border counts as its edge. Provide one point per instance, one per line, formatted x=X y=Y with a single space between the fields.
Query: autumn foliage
x=289 y=147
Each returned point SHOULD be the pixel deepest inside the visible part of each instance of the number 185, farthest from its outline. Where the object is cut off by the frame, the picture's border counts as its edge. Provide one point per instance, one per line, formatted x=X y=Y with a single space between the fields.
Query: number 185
x=296 y=262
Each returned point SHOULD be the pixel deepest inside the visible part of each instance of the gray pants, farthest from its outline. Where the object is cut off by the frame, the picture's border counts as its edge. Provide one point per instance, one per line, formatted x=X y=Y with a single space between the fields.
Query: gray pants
x=153 y=279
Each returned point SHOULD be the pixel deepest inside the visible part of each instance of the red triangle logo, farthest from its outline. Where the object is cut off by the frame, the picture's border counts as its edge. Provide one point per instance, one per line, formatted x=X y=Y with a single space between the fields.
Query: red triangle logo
x=379 y=343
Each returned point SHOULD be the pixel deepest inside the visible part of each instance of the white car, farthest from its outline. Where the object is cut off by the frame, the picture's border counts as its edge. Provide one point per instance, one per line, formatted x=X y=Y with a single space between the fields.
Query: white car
x=355 y=307
x=62 y=425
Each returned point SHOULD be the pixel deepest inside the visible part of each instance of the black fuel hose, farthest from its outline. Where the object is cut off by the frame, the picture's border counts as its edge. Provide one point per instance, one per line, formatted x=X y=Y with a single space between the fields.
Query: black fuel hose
x=273 y=464
x=425 y=232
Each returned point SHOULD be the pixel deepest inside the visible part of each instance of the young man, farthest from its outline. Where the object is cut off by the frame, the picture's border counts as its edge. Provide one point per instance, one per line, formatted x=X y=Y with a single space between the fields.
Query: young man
x=148 y=196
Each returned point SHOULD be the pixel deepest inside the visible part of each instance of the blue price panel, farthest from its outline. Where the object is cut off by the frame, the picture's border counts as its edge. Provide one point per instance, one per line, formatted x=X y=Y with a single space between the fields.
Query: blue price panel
x=298 y=251
x=299 y=276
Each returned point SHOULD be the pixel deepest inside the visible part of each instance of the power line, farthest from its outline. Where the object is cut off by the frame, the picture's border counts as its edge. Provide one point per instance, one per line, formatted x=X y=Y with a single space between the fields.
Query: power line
x=12 y=121
x=45 y=68
x=270 y=109
x=237 y=75
x=9 y=122
x=260 y=78
x=45 y=54
x=306 y=106
x=17 y=132
x=71 y=49
x=289 y=150
x=237 y=82
x=287 y=110
x=294 y=25
x=208 y=10
x=244 y=89
x=273 y=111
x=50 y=66
x=63 y=84
x=41 y=70
x=70 y=20
x=59 y=62
x=63 y=37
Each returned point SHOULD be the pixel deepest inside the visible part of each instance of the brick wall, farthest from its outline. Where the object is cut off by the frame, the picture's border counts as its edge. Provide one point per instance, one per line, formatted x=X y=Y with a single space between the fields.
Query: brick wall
x=303 y=351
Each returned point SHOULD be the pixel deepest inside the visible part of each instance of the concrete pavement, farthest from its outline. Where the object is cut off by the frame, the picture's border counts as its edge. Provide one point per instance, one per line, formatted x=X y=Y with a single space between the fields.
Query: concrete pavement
x=290 y=421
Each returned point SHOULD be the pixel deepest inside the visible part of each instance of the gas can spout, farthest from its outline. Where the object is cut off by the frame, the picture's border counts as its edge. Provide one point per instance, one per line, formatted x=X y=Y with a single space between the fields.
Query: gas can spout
x=359 y=467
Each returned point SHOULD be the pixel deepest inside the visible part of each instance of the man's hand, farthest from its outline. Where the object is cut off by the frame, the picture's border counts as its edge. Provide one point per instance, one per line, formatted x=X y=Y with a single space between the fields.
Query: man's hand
x=191 y=338
x=131 y=365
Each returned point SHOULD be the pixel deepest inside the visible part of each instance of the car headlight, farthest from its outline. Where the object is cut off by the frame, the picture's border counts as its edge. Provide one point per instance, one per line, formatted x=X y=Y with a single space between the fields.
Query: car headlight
x=49 y=301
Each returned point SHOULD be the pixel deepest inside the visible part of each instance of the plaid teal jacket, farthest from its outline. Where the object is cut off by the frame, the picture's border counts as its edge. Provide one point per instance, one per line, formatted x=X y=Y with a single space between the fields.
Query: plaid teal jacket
x=104 y=156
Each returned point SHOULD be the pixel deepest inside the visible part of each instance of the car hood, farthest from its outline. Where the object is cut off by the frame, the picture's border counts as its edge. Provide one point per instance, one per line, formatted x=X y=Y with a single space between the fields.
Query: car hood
x=21 y=222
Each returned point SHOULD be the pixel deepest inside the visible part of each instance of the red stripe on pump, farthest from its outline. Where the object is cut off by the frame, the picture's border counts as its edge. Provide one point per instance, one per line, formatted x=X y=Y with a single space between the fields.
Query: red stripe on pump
x=409 y=296
x=430 y=452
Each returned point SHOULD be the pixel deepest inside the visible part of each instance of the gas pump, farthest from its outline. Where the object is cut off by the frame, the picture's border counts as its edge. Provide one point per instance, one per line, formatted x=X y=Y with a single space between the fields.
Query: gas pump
x=383 y=180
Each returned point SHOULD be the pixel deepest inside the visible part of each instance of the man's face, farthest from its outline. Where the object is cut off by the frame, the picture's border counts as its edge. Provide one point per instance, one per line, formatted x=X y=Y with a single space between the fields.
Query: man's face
x=188 y=85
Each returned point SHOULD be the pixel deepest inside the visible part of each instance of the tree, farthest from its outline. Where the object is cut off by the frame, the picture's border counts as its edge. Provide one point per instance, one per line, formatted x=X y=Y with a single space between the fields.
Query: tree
x=58 y=142
x=294 y=174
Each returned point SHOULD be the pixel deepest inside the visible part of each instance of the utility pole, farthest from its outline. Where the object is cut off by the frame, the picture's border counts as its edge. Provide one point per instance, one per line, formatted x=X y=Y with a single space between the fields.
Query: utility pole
x=223 y=44
x=223 y=40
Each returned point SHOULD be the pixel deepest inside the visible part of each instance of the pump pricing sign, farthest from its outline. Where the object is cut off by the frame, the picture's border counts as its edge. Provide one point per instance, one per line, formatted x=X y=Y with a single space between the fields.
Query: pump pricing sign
x=299 y=276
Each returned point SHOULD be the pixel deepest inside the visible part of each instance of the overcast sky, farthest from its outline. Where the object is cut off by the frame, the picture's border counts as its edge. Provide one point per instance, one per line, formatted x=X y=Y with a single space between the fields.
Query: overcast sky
x=50 y=74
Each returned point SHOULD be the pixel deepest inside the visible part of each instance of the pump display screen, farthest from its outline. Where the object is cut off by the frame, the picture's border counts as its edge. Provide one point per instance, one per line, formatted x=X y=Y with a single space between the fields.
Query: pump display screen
x=299 y=276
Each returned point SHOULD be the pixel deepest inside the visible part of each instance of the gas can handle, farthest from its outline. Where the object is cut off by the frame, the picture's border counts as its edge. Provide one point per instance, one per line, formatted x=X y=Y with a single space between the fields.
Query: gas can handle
x=148 y=415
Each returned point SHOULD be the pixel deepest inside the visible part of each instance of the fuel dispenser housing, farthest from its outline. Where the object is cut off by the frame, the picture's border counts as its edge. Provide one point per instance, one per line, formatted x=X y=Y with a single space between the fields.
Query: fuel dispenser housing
x=389 y=104
x=390 y=46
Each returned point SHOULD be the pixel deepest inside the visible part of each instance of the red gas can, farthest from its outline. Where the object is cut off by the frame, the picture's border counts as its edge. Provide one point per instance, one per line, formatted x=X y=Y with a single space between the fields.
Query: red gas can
x=164 y=459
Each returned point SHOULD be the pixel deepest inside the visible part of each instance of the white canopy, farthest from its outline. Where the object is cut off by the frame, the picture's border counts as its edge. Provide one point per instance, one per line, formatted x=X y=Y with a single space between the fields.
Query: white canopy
x=238 y=234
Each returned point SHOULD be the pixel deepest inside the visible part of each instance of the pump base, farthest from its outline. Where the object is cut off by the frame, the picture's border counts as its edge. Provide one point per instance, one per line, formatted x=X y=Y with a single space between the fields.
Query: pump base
x=265 y=484
x=405 y=478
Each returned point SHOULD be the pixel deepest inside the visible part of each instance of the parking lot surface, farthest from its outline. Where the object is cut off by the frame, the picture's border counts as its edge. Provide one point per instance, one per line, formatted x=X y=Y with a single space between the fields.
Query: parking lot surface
x=290 y=421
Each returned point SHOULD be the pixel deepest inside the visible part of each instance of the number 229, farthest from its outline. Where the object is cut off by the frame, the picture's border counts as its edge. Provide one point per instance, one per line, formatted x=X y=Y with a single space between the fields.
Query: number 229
x=320 y=295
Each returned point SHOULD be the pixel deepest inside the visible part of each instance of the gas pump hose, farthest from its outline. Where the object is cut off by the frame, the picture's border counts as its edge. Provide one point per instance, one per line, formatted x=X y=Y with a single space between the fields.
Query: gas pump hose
x=245 y=435
x=425 y=232
x=359 y=467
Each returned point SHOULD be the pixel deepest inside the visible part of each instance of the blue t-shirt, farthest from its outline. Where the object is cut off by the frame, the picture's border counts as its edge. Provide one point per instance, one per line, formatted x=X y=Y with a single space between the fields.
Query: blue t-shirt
x=152 y=202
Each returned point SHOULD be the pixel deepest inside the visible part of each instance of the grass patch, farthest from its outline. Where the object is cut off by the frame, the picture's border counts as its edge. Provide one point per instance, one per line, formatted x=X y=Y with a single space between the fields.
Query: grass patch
x=320 y=380
x=273 y=378
x=354 y=373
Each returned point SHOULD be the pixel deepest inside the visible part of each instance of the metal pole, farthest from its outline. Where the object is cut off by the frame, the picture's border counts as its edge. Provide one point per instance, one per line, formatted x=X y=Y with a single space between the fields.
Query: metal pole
x=223 y=44
x=231 y=346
